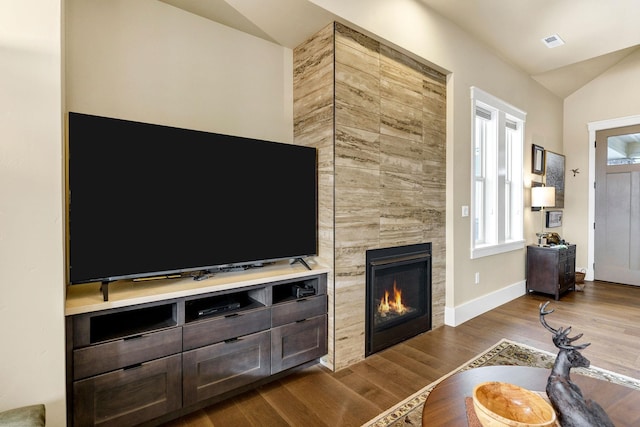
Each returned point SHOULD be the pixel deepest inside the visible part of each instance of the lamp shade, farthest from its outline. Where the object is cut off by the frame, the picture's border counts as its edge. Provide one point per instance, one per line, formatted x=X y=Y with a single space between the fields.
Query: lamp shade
x=543 y=197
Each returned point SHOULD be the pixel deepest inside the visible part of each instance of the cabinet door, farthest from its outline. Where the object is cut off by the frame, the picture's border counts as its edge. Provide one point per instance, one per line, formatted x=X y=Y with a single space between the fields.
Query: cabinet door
x=297 y=343
x=215 y=330
x=542 y=270
x=300 y=309
x=101 y=358
x=129 y=396
x=218 y=368
x=571 y=267
x=567 y=268
x=562 y=270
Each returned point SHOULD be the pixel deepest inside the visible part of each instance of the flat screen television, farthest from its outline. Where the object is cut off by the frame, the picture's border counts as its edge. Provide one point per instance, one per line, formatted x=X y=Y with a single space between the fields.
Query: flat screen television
x=151 y=200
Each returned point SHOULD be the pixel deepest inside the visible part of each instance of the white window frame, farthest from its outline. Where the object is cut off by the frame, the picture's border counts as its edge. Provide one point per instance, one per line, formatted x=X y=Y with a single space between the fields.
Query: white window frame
x=497 y=175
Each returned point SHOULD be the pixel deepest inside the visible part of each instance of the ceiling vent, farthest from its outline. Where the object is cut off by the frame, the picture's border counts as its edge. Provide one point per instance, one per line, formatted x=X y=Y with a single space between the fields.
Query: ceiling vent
x=553 y=41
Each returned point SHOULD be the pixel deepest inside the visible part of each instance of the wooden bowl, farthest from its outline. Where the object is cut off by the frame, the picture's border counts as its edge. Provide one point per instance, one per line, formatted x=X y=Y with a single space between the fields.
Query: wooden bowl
x=499 y=404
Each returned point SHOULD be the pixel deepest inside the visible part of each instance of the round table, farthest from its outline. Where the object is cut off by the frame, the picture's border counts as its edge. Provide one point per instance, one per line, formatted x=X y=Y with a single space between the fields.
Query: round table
x=445 y=405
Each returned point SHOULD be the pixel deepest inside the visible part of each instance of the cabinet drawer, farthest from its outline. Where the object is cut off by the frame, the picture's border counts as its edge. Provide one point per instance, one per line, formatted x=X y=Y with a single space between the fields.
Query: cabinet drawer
x=129 y=396
x=297 y=343
x=297 y=310
x=101 y=358
x=218 y=368
x=205 y=332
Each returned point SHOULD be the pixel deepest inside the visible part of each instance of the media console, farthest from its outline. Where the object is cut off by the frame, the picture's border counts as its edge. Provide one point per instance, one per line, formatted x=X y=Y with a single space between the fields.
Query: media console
x=158 y=350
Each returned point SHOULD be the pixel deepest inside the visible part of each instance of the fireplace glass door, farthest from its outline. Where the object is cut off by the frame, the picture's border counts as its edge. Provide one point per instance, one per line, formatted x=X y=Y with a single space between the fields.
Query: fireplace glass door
x=398 y=295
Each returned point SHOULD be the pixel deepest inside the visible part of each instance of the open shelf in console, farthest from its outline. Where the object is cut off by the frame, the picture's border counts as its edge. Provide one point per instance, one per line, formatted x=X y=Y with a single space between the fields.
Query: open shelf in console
x=220 y=305
x=295 y=290
x=121 y=324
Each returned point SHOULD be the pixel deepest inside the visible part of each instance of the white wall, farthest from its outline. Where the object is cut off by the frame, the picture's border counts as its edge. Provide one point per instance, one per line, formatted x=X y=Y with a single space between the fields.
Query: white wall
x=148 y=61
x=470 y=63
x=612 y=95
x=32 y=362
x=141 y=60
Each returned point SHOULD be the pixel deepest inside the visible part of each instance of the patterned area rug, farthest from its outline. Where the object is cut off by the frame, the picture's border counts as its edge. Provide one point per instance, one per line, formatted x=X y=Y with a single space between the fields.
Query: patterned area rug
x=506 y=352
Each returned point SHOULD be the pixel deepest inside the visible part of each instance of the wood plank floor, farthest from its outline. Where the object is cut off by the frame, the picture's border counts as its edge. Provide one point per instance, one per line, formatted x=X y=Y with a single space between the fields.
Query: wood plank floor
x=608 y=315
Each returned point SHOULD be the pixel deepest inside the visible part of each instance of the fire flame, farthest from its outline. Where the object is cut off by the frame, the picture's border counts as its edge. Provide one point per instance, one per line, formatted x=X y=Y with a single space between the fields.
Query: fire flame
x=395 y=305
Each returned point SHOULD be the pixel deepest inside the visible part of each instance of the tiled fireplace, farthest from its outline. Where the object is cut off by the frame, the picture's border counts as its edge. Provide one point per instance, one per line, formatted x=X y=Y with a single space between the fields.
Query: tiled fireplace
x=398 y=295
x=378 y=120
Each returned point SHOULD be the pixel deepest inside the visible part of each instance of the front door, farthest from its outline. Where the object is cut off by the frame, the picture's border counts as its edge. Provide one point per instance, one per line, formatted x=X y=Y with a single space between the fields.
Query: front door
x=617 y=205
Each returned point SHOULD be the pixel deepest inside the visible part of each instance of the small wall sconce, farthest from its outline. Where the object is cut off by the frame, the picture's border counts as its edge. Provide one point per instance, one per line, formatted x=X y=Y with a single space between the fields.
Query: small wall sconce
x=542 y=197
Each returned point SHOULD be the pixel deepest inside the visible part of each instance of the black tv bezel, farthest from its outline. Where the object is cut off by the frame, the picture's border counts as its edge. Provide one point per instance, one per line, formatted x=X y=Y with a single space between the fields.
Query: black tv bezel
x=179 y=272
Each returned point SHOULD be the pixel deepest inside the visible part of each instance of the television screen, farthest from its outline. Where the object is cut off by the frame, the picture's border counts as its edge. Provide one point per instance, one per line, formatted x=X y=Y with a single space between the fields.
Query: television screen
x=148 y=200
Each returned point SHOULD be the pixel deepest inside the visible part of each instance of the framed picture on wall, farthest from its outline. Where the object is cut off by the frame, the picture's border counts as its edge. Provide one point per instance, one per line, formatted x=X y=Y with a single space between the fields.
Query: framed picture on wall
x=555 y=175
x=554 y=219
x=537 y=160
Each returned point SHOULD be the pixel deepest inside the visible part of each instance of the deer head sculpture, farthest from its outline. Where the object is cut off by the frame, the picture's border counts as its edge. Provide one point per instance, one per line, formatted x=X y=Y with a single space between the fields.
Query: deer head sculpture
x=572 y=408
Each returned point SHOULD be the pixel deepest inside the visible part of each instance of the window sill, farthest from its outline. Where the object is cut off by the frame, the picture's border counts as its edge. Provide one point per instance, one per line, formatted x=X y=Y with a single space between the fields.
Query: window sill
x=488 y=250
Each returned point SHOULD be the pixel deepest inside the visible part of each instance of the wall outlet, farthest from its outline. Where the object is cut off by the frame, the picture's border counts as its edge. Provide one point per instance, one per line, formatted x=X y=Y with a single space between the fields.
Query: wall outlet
x=477 y=278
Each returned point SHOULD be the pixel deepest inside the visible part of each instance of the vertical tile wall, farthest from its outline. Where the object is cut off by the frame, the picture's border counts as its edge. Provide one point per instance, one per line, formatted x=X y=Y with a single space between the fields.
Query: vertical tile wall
x=377 y=118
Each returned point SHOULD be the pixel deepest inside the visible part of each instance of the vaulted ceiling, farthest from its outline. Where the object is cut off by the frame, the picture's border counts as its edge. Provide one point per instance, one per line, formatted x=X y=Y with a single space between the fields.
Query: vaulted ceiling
x=597 y=33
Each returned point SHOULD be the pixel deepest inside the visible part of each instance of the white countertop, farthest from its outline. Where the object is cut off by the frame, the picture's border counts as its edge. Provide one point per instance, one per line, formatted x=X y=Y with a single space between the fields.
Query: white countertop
x=86 y=298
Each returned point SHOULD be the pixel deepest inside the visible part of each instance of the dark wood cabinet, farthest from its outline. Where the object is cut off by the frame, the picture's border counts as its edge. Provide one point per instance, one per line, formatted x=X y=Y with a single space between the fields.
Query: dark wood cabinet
x=226 y=327
x=295 y=343
x=129 y=396
x=100 y=358
x=146 y=363
x=219 y=368
x=551 y=269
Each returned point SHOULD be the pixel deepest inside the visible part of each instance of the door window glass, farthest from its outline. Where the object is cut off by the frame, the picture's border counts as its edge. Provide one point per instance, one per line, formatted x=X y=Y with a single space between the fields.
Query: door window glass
x=623 y=149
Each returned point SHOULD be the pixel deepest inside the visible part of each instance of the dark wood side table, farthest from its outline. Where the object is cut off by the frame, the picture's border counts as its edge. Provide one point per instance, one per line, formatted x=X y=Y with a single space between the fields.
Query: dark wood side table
x=445 y=406
x=551 y=269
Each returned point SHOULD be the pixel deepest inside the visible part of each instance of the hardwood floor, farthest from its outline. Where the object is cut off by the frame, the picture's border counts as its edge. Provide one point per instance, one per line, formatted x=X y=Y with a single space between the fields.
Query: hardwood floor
x=607 y=314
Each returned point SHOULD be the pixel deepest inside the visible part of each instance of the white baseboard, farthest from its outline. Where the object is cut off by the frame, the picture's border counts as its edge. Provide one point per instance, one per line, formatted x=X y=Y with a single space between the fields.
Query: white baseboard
x=460 y=314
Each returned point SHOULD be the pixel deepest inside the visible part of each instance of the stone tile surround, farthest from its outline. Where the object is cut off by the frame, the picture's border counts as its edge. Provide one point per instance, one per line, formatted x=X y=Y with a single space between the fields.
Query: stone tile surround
x=378 y=119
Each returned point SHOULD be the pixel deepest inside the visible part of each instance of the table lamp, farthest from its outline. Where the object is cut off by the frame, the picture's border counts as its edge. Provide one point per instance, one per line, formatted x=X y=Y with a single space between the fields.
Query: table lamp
x=542 y=197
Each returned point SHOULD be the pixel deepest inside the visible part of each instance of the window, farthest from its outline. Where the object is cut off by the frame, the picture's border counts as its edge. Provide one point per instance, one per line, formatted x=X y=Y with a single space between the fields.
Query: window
x=497 y=171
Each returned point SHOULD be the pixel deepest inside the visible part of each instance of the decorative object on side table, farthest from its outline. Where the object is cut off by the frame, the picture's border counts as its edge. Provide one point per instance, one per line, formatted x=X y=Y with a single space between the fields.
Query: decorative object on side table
x=572 y=409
